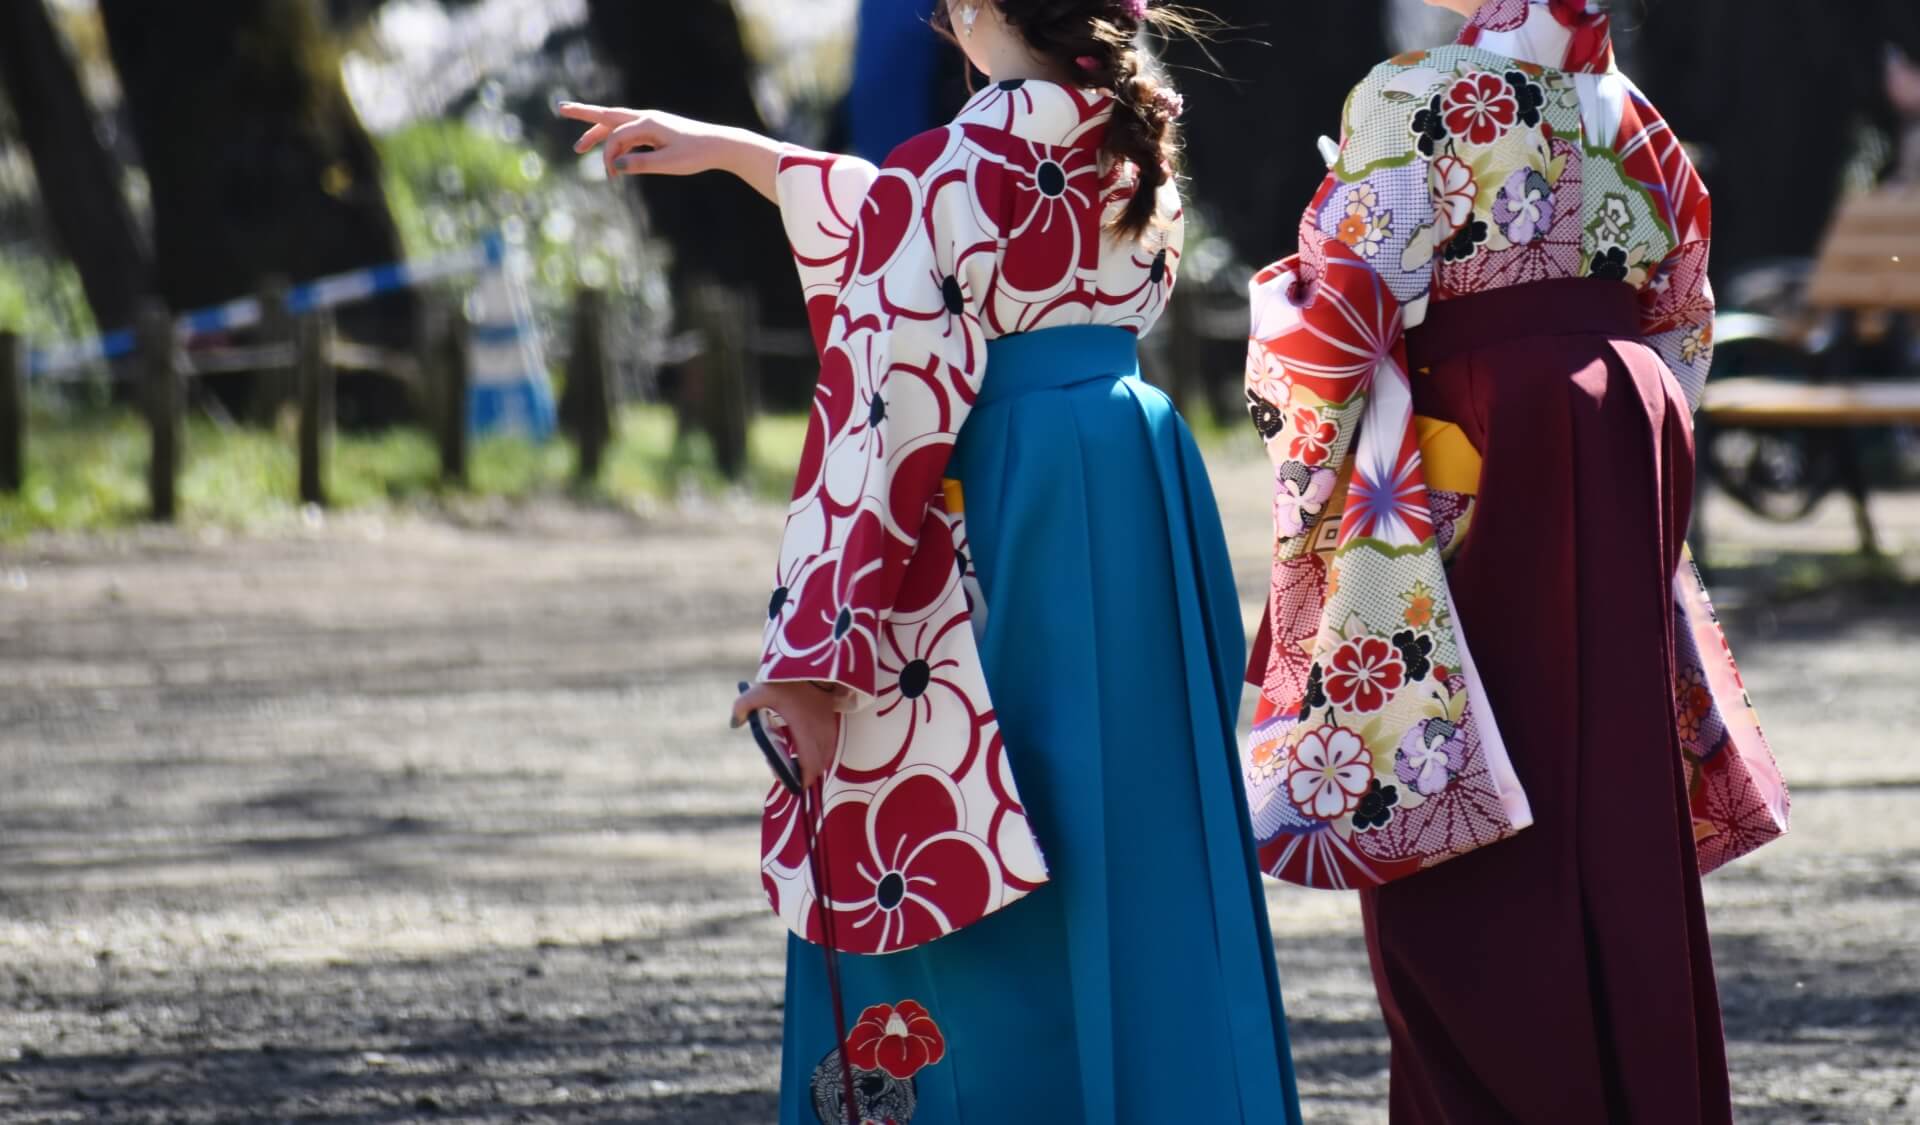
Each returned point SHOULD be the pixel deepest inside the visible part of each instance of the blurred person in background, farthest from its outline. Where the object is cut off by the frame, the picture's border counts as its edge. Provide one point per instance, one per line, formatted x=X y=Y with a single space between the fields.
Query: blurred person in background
x=1490 y=344
x=980 y=421
x=1903 y=90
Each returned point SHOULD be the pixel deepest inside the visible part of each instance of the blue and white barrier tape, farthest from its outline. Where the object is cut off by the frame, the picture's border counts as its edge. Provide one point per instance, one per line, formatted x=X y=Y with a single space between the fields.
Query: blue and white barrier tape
x=322 y=293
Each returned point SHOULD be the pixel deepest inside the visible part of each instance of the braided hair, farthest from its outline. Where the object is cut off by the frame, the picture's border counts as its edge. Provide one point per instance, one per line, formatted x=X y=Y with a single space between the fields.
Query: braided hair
x=1093 y=41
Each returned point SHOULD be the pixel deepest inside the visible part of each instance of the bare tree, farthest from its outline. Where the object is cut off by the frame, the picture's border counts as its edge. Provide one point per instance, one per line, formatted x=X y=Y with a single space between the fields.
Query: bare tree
x=79 y=177
x=257 y=161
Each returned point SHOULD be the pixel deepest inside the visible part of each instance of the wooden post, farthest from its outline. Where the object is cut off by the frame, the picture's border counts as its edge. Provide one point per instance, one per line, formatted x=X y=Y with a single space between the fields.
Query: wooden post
x=13 y=412
x=271 y=385
x=165 y=403
x=313 y=367
x=450 y=414
x=725 y=320
x=586 y=404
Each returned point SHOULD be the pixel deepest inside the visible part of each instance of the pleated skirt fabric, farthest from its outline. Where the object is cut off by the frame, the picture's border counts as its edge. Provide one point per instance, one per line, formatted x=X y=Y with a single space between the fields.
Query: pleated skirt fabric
x=1138 y=986
x=1562 y=976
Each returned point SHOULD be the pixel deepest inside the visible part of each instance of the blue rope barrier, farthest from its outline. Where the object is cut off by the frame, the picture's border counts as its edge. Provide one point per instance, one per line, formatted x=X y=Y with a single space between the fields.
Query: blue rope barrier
x=321 y=293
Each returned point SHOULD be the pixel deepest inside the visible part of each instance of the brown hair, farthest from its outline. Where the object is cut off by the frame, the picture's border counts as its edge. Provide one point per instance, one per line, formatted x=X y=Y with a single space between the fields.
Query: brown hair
x=1092 y=41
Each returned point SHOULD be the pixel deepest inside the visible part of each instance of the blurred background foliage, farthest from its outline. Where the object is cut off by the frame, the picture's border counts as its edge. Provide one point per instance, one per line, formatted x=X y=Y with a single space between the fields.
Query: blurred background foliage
x=208 y=146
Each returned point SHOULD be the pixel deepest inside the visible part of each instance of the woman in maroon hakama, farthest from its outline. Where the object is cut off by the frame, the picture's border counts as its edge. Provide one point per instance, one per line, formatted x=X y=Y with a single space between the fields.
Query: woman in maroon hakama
x=1475 y=382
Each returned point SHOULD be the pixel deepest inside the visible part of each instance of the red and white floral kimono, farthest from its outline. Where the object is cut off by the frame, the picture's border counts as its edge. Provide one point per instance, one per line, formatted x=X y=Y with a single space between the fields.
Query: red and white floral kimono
x=1475 y=381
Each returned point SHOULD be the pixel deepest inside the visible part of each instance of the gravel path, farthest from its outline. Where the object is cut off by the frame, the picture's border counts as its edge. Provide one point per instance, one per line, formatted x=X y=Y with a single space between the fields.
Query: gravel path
x=439 y=820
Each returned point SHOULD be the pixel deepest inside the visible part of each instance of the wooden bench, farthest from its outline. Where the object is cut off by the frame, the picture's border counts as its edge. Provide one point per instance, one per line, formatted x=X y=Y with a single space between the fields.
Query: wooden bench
x=1868 y=265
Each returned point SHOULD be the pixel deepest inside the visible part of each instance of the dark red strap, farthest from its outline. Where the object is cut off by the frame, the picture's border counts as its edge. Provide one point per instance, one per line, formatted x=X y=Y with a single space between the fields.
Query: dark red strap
x=816 y=858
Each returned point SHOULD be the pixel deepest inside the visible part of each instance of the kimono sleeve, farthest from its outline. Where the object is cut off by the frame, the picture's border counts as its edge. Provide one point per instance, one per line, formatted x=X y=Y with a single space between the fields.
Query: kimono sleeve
x=1324 y=322
x=1676 y=305
x=900 y=363
x=1372 y=752
x=820 y=196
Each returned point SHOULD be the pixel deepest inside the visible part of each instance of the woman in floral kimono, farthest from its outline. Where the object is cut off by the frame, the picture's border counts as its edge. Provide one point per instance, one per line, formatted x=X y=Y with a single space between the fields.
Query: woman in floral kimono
x=980 y=424
x=1476 y=381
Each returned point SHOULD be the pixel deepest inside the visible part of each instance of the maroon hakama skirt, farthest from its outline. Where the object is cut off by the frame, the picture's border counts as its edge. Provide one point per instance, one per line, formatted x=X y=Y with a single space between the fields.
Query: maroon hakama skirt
x=1562 y=976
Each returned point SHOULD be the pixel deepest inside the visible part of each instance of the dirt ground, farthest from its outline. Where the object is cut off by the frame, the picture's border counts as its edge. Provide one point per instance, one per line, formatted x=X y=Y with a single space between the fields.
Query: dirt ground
x=438 y=819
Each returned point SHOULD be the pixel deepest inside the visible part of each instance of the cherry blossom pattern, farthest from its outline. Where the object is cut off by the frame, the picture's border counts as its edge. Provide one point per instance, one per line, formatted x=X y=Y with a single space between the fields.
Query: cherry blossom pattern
x=1332 y=769
x=1454 y=193
x=1366 y=224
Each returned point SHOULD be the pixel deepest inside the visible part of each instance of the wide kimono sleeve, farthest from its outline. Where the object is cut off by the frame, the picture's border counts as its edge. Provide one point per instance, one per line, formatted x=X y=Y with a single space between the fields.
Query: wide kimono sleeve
x=901 y=358
x=917 y=827
x=1676 y=303
x=1373 y=753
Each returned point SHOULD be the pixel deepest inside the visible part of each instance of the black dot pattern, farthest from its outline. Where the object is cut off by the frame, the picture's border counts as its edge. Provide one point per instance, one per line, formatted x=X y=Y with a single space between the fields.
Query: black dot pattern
x=914 y=679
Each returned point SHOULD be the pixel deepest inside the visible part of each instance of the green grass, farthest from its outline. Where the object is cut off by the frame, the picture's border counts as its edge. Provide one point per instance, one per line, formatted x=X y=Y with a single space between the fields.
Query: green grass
x=87 y=471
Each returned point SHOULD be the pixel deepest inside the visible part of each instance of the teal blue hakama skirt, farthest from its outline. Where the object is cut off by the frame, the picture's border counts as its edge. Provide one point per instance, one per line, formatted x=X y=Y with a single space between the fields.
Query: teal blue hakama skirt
x=1139 y=985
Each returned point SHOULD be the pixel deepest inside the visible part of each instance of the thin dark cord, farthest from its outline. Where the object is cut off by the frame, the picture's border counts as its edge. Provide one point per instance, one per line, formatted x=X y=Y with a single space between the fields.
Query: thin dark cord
x=816 y=858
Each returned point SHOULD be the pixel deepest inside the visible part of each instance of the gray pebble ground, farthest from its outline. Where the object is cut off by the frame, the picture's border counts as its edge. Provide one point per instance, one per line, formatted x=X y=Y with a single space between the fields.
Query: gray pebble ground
x=439 y=820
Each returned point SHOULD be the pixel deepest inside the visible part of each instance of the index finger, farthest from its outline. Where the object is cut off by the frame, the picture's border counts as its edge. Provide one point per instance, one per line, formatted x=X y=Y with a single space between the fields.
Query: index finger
x=751 y=698
x=598 y=114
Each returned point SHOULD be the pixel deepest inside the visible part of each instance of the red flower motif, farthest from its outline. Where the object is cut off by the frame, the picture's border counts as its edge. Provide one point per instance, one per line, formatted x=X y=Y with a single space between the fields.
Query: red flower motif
x=1480 y=108
x=900 y=1039
x=1313 y=438
x=901 y=863
x=1047 y=200
x=1363 y=673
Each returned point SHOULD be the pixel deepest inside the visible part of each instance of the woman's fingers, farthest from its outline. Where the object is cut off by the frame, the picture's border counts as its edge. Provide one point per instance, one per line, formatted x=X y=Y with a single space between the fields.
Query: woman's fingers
x=641 y=132
x=593 y=114
x=591 y=137
x=753 y=699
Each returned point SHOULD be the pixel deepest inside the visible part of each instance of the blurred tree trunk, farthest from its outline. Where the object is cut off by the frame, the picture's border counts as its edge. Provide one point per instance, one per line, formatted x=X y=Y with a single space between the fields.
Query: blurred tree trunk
x=1250 y=135
x=257 y=162
x=79 y=178
x=688 y=58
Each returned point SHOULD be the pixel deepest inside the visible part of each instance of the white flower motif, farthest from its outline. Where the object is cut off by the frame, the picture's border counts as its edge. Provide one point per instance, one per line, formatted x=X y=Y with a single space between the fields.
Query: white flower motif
x=1330 y=773
x=1454 y=192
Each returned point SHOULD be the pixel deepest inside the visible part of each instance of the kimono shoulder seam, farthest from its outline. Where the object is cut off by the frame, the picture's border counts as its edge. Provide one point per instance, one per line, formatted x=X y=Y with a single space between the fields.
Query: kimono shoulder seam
x=947 y=134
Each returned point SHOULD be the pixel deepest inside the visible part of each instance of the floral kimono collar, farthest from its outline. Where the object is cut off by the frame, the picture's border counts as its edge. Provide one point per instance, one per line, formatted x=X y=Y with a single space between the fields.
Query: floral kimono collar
x=1045 y=113
x=1568 y=35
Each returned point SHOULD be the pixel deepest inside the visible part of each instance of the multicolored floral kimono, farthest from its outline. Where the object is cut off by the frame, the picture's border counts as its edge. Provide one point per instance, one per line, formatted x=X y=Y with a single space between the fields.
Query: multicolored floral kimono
x=1475 y=381
x=1003 y=554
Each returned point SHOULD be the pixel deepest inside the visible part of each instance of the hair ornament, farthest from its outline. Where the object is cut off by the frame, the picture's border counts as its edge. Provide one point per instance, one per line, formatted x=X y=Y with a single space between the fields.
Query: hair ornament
x=1087 y=63
x=1169 y=102
x=1136 y=9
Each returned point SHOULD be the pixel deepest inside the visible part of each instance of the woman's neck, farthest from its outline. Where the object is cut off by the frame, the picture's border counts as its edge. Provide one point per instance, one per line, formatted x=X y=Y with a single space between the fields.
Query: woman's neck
x=1012 y=61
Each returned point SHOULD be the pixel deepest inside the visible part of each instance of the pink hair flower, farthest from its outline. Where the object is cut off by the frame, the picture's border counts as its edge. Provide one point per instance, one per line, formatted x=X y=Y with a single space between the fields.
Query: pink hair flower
x=1137 y=9
x=1087 y=63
